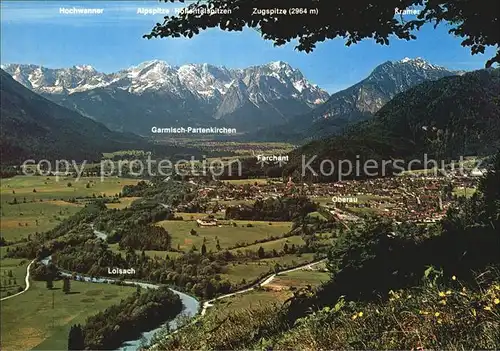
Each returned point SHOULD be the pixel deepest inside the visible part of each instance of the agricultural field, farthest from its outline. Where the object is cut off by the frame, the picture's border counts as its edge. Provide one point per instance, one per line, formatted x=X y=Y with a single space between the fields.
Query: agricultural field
x=317 y=215
x=252 y=299
x=289 y=260
x=124 y=203
x=277 y=291
x=36 y=204
x=34 y=188
x=20 y=220
x=274 y=244
x=245 y=232
x=136 y=153
x=150 y=253
x=467 y=192
x=299 y=279
x=41 y=318
x=250 y=271
x=12 y=274
x=247 y=271
x=361 y=211
x=187 y=216
x=239 y=148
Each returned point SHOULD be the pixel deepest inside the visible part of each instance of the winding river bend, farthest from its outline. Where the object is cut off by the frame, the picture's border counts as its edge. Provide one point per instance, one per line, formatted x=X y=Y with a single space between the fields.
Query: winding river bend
x=191 y=306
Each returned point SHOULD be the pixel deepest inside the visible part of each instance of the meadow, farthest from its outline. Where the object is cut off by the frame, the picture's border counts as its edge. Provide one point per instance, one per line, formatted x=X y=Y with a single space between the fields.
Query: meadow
x=150 y=253
x=461 y=191
x=36 y=204
x=36 y=188
x=20 y=220
x=41 y=318
x=124 y=203
x=300 y=278
x=317 y=215
x=240 y=148
x=252 y=270
x=12 y=274
x=252 y=299
x=228 y=235
x=274 y=244
x=276 y=292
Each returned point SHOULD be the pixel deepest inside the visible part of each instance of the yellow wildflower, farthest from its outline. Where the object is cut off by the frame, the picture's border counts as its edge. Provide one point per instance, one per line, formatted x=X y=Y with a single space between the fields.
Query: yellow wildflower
x=487 y=308
x=442 y=302
x=354 y=317
x=423 y=312
x=440 y=321
x=496 y=301
x=474 y=312
x=454 y=278
x=360 y=314
x=448 y=292
x=437 y=314
x=442 y=294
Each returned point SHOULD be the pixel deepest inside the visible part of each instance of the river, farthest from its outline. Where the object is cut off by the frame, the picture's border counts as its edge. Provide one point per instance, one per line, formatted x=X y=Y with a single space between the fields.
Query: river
x=191 y=306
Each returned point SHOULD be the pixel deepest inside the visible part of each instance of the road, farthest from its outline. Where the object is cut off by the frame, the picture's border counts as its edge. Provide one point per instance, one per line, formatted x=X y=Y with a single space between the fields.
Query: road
x=265 y=281
x=26 y=281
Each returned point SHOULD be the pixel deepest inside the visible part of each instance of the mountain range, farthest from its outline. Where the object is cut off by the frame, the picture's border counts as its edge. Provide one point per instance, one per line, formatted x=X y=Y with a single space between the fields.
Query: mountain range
x=33 y=127
x=360 y=101
x=443 y=119
x=155 y=93
x=268 y=103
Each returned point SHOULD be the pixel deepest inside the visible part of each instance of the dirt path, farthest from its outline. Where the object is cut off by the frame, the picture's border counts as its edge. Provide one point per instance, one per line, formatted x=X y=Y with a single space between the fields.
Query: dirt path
x=27 y=282
x=268 y=279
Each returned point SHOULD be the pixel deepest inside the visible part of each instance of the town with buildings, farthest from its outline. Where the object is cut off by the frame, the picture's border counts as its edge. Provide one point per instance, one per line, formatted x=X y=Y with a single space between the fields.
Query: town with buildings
x=416 y=196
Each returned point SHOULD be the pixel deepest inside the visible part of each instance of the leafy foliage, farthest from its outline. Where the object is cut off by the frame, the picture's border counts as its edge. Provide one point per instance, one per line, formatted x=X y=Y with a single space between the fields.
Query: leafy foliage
x=76 y=339
x=107 y=330
x=442 y=313
x=280 y=209
x=446 y=315
x=476 y=22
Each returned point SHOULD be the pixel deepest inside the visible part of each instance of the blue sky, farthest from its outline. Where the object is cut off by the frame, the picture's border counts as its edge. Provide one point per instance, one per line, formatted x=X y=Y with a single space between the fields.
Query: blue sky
x=35 y=32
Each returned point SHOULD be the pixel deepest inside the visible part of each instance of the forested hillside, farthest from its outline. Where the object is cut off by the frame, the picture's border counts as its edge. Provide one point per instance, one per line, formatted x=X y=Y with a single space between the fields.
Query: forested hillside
x=445 y=119
x=33 y=127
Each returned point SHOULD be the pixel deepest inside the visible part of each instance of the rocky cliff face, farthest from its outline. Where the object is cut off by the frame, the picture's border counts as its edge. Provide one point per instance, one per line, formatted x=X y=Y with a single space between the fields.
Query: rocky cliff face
x=363 y=99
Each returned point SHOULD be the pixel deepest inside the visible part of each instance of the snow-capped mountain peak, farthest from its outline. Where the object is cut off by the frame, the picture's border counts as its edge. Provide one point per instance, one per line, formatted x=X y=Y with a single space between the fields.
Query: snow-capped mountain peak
x=85 y=68
x=420 y=63
x=272 y=87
